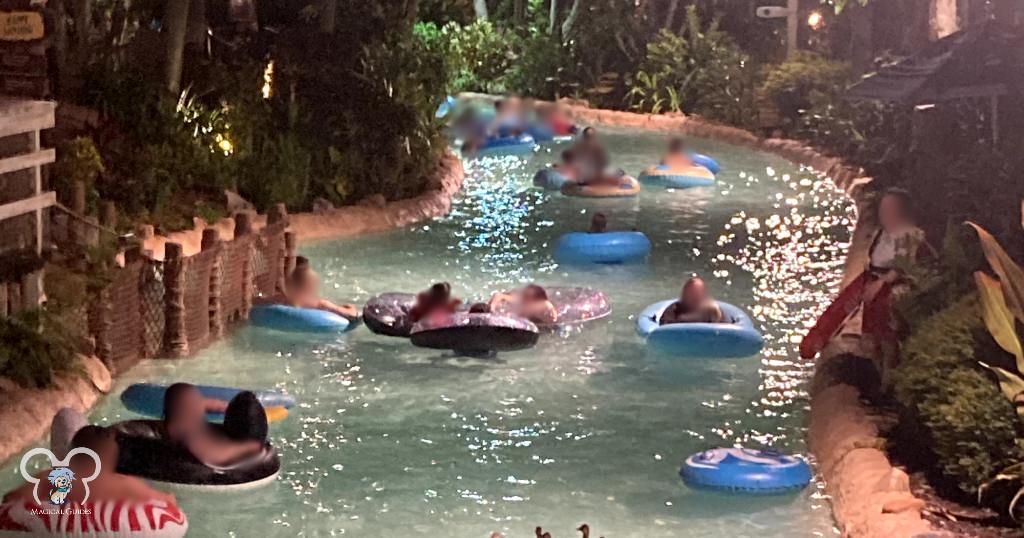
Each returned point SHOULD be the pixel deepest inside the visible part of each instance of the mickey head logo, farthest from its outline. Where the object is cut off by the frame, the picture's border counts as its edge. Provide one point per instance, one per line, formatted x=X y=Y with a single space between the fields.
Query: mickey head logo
x=54 y=463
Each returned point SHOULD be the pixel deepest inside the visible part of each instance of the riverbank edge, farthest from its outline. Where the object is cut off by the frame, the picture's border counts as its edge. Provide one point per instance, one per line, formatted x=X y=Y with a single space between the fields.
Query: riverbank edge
x=27 y=414
x=870 y=497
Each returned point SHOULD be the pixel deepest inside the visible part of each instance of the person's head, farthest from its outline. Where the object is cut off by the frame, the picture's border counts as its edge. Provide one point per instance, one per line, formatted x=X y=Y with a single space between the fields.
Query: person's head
x=598 y=223
x=480 y=308
x=440 y=292
x=895 y=209
x=100 y=440
x=589 y=133
x=694 y=292
x=567 y=156
x=499 y=105
x=184 y=406
x=676 y=145
x=534 y=293
x=245 y=417
x=301 y=262
x=304 y=281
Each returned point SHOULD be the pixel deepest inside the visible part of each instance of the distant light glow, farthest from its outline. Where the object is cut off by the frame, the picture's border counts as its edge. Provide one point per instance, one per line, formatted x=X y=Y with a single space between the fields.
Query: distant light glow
x=815 y=20
x=224 y=144
x=268 y=80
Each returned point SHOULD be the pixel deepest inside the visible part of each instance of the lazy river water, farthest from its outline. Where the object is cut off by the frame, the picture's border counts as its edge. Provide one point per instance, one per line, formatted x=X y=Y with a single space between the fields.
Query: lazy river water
x=392 y=440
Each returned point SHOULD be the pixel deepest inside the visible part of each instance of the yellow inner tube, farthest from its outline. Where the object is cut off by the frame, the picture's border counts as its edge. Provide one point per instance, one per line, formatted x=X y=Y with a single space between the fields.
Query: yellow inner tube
x=627 y=186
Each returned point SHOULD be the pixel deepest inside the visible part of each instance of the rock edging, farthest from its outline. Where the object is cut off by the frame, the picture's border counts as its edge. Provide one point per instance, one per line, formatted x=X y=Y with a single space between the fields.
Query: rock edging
x=870 y=497
x=26 y=414
x=368 y=216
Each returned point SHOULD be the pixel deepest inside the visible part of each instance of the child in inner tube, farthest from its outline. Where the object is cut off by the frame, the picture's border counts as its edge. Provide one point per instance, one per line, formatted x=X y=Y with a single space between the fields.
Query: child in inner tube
x=245 y=425
x=598 y=224
x=677 y=157
x=436 y=301
x=567 y=167
x=591 y=159
x=555 y=118
x=109 y=485
x=530 y=302
x=695 y=305
x=303 y=291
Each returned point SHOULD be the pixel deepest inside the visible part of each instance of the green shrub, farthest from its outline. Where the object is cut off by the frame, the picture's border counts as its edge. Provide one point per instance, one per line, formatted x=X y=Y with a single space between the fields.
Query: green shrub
x=710 y=74
x=970 y=428
x=476 y=55
x=542 y=68
x=34 y=349
x=78 y=160
x=804 y=80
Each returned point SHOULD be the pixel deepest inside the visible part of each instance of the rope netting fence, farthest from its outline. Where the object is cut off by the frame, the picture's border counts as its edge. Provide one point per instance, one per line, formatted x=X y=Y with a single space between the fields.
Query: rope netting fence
x=178 y=306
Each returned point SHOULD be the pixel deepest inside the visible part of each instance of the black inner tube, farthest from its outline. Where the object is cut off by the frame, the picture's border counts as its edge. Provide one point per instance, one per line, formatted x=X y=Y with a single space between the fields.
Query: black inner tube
x=147 y=452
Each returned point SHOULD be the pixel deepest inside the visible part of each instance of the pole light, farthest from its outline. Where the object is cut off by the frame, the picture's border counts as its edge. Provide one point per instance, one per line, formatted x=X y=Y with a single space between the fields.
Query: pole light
x=792 y=13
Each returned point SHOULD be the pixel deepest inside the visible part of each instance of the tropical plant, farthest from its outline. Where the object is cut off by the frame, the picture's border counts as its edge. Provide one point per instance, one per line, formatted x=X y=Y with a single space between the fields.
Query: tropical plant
x=804 y=80
x=78 y=161
x=649 y=94
x=35 y=349
x=476 y=55
x=710 y=74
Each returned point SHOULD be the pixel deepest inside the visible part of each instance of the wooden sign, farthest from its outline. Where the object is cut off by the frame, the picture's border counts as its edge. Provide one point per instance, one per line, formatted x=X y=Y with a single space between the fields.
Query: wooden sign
x=21 y=25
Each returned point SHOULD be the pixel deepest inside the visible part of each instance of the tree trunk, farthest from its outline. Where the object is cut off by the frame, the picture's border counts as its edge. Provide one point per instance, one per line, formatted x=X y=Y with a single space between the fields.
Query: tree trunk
x=480 y=9
x=195 y=36
x=174 y=27
x=672 y=7
x=83 y=22
x=570 y=19
x=553 y=17
x=518 y=11
x=862 y=44
x=328 y=15
x=59 y=48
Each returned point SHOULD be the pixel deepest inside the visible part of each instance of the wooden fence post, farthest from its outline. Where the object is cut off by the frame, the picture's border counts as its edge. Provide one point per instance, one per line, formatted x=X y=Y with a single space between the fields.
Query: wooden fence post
x=290 y=251
x=243 y=230
x=175 y=337
x=99 y=326
x=211 y=241
x=278 y=214
x=108 y=214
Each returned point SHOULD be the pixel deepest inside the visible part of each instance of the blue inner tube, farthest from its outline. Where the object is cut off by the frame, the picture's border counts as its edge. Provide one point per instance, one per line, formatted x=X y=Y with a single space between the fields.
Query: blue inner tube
x=707 y=162
x=475 y=333
x=680 y=178
x=549 y=179
x=737 y=337
x=540 y=132
x=603 y=248
x=300 y=320
x=148 y=398
x=508 y=145
x=743 y=470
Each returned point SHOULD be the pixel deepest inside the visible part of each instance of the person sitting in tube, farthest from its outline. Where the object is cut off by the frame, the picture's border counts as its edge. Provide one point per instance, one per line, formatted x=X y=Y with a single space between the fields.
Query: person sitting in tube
x=567 y=167
x=677 y=157
x=508 y=119
x=591 y=159
x=530 y=302
x=435 y=301
x=109 y=485
x=555 y=118
x=598 y=224
x=695 y=305
x=245 y=425
x=303 y=291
